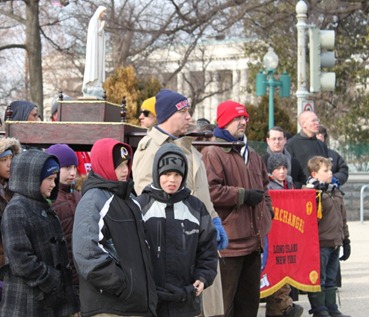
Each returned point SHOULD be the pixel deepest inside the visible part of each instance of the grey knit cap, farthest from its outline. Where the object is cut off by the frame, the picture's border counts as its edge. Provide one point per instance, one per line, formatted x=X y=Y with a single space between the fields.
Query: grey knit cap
x=276 y=160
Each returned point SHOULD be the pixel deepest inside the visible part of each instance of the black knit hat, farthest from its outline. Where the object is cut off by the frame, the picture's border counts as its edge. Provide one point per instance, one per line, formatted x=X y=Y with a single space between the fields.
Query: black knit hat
x=276 y=160
x=172 y=162
x=120 y=154
x=167 y=103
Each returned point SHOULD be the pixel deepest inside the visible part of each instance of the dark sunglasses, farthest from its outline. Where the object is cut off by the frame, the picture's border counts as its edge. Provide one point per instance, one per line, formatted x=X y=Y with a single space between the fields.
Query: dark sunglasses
x=146 y=113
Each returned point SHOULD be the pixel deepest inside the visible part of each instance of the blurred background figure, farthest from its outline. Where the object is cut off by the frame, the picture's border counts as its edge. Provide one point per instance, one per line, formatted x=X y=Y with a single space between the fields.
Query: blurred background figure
x=23 y=110
x=339 y=167
x=148 y=115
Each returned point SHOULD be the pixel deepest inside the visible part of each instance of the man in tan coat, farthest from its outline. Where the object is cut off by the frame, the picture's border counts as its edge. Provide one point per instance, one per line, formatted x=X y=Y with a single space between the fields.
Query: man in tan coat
x=172 y=111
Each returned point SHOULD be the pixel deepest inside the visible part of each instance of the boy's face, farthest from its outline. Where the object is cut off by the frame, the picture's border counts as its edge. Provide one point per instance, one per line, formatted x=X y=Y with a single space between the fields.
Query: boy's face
x=5 y=166
x=122 y=171
x=280 y=173
x=324 y=175
x=47 y=185
x=170 y=182
x=68 y=174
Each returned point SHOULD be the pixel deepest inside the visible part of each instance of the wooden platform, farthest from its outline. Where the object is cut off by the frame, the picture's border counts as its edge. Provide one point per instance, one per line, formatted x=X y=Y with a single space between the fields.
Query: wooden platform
x=78 y=135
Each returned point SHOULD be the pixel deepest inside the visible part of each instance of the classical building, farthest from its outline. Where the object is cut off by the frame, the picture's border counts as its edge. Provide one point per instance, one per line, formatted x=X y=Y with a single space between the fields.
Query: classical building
x=214 y=71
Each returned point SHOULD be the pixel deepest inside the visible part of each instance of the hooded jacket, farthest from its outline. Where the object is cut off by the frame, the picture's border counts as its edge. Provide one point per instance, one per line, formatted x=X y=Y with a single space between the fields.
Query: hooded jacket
x=21 y=110
x=182 y=238
x=38 y=279
x=5 y=193
x=109 y=246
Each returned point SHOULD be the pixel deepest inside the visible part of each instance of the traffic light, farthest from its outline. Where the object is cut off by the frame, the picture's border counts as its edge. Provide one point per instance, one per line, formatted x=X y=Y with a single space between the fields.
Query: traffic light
x=321 y=54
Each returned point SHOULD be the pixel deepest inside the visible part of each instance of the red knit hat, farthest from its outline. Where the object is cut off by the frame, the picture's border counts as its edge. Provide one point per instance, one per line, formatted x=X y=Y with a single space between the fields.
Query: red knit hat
x=228 y=110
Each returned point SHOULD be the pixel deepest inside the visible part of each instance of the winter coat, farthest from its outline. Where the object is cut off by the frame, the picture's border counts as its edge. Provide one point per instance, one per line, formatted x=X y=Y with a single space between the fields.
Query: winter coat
x=38 y=279
x=182 y=240
x=303 y=148
x=109 y=247
x=65 y=207
x=229 y=176
x=333 y=226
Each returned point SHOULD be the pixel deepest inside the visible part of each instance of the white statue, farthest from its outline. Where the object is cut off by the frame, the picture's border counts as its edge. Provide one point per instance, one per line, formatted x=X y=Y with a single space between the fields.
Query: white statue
x=94 y=74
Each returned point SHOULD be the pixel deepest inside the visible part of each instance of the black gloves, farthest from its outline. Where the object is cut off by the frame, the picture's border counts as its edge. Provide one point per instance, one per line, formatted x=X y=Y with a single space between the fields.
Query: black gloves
x=56 y=297
x=346 y=250
x=253 y=197
x=173 y=293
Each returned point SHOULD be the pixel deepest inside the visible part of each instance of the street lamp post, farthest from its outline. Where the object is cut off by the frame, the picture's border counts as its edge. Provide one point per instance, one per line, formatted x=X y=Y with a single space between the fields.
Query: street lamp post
x=267 y=79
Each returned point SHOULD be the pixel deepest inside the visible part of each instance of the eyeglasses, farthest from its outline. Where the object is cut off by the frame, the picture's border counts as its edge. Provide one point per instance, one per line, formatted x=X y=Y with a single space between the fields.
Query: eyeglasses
x=276 y=139
x=241 y=119
x=146 y=113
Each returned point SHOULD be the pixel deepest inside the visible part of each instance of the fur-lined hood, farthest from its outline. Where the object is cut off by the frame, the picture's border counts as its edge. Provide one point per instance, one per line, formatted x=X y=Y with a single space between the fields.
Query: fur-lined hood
x=10 y=143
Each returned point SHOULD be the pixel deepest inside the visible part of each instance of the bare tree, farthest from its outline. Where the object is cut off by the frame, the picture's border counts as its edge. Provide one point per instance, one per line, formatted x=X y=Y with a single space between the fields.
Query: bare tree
x=136 y=29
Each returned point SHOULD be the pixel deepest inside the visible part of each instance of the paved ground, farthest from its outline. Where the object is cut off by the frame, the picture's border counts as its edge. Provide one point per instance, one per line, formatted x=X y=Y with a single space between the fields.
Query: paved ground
x=354 y=293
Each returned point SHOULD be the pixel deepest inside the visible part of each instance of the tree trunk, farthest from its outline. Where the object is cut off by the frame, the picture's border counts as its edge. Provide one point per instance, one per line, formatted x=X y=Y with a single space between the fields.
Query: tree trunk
x=34 y=52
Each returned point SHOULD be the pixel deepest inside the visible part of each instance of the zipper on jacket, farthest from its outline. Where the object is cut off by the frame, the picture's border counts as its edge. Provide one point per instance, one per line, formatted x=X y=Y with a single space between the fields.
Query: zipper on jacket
x=183 y=236
x=158 y=239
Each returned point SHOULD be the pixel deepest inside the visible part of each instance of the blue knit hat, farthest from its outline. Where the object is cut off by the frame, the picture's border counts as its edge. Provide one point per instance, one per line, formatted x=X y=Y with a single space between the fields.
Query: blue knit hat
x=50 y=167
x=64 y=153
x=169 y=102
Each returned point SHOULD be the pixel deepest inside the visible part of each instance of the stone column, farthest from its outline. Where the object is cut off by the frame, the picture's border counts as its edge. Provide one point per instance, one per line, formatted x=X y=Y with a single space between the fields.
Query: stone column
x=243 y=85
x=180 y=82
x=235 y=85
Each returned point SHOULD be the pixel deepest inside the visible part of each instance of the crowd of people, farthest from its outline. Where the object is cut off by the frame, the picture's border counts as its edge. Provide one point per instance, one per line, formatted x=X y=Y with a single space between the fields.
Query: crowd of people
x=165 y=230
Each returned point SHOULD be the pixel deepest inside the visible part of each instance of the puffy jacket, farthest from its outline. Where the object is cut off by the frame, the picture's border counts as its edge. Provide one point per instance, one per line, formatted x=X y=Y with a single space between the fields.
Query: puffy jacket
x=110 y=251
x=182 y=239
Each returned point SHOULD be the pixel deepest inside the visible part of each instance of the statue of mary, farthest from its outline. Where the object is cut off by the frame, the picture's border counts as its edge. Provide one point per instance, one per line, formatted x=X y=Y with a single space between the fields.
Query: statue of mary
x=94 y=74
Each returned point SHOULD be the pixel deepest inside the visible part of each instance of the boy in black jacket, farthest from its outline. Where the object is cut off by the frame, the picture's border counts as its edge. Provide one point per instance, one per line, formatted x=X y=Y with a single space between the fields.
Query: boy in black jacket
x=181 y=235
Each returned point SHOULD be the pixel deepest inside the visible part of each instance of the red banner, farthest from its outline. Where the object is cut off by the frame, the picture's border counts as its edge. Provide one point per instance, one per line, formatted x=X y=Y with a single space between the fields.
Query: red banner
x=293 y=243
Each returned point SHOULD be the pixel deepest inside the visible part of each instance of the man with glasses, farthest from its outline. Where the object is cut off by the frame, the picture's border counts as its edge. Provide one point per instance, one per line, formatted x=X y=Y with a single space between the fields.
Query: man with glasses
x=148 y=115
x=304 y=145
x=238 y=182
x=277 y=140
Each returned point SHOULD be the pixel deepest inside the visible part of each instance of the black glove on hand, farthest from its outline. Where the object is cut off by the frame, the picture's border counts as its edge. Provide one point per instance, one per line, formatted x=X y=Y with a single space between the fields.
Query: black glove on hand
x=253 y=197
x=56 y=297
x=173 y=293
x=346 y=250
